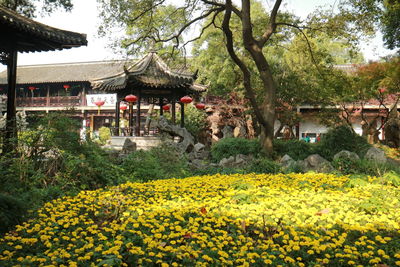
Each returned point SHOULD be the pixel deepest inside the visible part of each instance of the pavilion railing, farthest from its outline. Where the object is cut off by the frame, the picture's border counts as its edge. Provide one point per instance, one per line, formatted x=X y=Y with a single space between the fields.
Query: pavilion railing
x=52 y=101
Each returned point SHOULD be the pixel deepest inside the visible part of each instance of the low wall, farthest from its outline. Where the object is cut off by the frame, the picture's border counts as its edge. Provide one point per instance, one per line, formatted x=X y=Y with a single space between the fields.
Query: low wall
x=142 y=142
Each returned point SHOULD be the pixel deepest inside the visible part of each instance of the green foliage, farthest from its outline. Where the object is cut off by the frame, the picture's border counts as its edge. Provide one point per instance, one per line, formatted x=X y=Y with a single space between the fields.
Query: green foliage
x=51 y=162
x=195 y=120
x=263 y=165
x=296 y=149
x=104 y=135
x=227 y=147
x=11 y=210
x=341 y=138
x=157 y=163
x=29 y=7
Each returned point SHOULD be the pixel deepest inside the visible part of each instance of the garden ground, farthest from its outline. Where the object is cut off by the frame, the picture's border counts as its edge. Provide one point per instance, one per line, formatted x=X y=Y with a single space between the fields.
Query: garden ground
x=254 y=219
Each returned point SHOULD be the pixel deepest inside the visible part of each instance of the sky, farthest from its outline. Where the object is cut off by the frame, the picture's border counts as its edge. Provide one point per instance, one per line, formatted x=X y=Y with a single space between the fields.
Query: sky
x=84 y=19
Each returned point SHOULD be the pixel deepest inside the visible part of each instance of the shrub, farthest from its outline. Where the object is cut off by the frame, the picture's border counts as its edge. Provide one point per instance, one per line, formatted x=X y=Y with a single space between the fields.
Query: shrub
x=296 y=149
x=157 y=163
x=104 y=135
x=341 y=138
x=52 y=162
x=263 y=165
x=227 y=147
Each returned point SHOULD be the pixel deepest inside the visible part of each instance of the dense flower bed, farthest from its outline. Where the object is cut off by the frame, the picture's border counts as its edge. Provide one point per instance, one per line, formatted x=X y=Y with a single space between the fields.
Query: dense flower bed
x=295 y=219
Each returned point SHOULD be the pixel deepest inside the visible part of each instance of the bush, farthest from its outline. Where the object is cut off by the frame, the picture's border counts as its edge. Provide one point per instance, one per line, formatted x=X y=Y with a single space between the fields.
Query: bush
x=296 y=149
x=157 y=163
x=51 y=162
x=104 y=135
x=263 y=165
x=227 y=147
x=341 y=138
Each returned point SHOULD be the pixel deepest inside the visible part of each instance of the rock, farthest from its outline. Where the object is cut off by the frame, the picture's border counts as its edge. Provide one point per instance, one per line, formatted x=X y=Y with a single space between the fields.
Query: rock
x=238 y=161
x=128 y=146
x=227 y=162
x=186 y=143
x=376 y=154
x=199 y=147
x=286 y=161
x=346 y=155
x=197 y=164
x=227 y=131
x=239 y=131
x=317 y=163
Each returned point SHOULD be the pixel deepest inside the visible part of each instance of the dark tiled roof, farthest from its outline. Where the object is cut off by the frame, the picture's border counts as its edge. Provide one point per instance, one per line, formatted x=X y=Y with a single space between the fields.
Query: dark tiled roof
x=26 y=35
x=64 y=72
x=150 y=71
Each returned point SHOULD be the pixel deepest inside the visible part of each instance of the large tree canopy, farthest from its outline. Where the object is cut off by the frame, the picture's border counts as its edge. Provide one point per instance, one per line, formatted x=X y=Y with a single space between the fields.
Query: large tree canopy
x=247 y=35
x=29 y=7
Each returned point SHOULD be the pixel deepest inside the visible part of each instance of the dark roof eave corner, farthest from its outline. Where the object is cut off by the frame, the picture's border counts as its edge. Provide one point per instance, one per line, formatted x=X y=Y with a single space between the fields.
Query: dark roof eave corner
x=195 y=75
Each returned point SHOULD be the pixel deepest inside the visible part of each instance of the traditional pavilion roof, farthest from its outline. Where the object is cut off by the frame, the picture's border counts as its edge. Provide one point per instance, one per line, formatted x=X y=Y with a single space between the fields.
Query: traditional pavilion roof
x=25 y=35
x=64 y=72
x=151 y=72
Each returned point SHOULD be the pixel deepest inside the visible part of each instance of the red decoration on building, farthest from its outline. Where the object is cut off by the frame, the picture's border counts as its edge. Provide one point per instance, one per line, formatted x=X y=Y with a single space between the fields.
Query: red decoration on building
x=99 y=103
x=186 y=100
x=165 y=107
x=200 y=105
x=31 y=88
x=131 y=98
x=123 y=107
x=66 y=86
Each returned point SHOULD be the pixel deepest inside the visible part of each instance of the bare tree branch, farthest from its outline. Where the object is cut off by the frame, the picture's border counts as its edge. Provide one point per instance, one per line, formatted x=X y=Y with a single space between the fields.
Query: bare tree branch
x=271 y=27
x=242 y=66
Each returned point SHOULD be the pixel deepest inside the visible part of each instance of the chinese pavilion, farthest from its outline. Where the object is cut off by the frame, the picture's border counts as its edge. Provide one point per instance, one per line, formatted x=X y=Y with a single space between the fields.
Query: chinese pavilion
x=152 y=80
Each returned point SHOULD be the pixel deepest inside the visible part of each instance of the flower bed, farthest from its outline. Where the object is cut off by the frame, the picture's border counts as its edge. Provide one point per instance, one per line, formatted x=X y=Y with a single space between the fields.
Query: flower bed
x=299 y=219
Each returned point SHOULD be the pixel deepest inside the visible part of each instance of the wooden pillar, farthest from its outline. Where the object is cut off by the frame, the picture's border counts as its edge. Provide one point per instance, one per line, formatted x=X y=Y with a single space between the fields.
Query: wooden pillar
x=11 y=134
x=161 y=106
x=138 y=113
x=130 y=131
x=91 y=125
x=48 y=96
x=173 y=110
x=182 y=115
x=116 y=129
x=298 y=130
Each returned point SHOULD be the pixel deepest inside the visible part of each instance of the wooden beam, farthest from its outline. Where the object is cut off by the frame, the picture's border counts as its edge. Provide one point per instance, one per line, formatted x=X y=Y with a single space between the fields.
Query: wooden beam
x=11 y=134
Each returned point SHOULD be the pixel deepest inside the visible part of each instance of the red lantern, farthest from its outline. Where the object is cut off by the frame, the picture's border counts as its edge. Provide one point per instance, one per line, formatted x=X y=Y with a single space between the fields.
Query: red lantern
x=66 y=86
x=186 y=100
x=99 y=103
x=123 y=107
x=200 y=105
x=382 y=90
x=131 y=98
x=165 y=107
x=31 y=88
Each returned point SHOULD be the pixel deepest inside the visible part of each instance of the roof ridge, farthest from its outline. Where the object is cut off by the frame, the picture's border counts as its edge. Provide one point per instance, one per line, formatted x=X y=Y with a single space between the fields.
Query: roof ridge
x=75 y=63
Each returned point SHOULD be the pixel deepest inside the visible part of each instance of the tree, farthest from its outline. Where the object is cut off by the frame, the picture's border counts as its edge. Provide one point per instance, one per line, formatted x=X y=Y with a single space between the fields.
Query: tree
x=376 y=83
x=155 y=21
x=384 y=14
x=29 y=7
